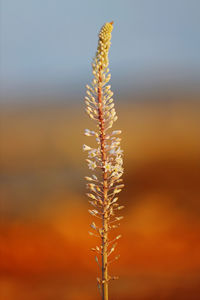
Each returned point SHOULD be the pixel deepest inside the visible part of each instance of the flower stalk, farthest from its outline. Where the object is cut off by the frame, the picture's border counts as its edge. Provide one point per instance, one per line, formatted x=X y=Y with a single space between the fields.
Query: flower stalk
x=106 y=159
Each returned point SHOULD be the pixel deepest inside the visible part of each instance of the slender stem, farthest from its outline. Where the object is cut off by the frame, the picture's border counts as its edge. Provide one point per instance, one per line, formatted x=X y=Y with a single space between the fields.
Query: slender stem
x=105 y=192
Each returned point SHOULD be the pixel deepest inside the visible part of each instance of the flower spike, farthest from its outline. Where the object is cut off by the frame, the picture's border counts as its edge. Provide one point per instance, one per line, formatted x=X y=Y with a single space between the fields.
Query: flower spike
x=106 y=159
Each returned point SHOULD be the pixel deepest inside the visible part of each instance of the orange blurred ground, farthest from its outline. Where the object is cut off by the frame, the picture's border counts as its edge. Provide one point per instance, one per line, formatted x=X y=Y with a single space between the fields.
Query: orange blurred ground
x=44 y=243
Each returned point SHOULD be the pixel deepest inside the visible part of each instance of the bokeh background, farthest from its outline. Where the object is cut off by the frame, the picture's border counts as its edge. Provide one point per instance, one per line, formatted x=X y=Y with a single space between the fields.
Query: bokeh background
x=46 y=52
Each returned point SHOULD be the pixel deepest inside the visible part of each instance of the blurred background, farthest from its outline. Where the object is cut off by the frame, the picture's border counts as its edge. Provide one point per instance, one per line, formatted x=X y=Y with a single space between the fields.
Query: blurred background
x=46 y=53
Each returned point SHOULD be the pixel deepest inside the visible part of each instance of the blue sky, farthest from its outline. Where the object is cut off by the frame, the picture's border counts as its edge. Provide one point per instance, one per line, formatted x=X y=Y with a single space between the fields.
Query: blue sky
x=47 y=43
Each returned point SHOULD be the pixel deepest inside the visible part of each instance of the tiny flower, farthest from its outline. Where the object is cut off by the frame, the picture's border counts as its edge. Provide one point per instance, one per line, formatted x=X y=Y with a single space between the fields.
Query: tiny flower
x=117 y=170
x=113 y=151
x=119 y=160
x=86 y=148
x=115 y=118
x=93 y=225
x=116 y=175
x=108 y=167
x=119 y=151
x=115 y=132
x=92 y=153
x=89 y=132
x=92 y=187
x=114 y=144
x=91 y=164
